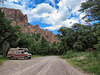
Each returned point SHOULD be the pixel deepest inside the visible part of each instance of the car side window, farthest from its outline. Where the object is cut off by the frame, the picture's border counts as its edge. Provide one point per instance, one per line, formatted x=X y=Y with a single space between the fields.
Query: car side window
x=17 y=52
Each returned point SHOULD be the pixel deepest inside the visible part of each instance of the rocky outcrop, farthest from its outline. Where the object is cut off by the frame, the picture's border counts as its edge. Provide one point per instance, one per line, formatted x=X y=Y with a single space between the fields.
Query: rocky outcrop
x=17 y=18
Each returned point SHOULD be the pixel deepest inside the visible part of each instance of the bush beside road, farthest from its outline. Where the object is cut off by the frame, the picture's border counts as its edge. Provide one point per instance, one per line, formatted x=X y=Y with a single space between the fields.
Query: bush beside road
x=2 y=59
x=86 y=61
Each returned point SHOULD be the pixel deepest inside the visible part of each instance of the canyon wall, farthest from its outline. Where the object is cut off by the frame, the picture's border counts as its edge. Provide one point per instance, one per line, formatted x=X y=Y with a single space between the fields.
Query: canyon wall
x=18 y=18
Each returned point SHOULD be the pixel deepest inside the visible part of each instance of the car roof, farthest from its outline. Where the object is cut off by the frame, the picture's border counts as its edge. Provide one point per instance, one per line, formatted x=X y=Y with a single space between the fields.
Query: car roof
x=14 y=49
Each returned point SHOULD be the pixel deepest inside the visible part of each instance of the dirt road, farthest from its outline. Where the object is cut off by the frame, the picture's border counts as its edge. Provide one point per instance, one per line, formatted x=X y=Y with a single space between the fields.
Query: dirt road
x=49 y=65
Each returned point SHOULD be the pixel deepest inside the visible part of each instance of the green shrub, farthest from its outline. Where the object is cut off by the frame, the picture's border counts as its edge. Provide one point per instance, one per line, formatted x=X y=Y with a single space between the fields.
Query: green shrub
x=71 y=54
x=89 y=62
x=2 y=59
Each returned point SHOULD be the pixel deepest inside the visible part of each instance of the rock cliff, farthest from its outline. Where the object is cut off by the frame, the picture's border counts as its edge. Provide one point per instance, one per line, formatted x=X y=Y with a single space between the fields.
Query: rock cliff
x=17 y=18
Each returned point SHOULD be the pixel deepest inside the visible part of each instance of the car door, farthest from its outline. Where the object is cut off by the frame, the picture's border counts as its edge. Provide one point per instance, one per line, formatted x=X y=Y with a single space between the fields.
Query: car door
x=18 y=54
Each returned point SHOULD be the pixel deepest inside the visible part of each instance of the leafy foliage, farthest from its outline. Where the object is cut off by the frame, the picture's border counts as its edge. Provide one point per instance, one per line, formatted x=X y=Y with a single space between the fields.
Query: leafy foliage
x=92 y=9
x=84 y=37
x=84 y=60
x=11 y=36
x=81 y=37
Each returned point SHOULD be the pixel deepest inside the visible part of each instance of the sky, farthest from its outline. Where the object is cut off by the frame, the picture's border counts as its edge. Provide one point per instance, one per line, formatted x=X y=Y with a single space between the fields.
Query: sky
x=49 y=14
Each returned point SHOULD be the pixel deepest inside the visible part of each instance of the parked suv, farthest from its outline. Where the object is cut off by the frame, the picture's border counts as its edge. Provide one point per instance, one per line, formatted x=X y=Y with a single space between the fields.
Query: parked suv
x=15 y=53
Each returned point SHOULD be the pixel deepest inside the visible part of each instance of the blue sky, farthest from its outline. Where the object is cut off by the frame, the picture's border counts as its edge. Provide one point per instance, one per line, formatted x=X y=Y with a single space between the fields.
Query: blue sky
x=49 y=14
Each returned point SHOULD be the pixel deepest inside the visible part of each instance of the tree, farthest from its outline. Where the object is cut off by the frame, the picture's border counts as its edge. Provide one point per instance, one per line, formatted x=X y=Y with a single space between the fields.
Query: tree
x=66 y=36
x=92 y=9
x=54 y=49
x=97 y=34
x=79 y=37
x=44 y=47
x=5 y=28
x=8 y=33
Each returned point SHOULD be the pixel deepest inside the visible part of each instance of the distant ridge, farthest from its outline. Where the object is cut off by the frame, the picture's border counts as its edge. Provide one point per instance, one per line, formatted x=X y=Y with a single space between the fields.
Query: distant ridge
x=18 y=18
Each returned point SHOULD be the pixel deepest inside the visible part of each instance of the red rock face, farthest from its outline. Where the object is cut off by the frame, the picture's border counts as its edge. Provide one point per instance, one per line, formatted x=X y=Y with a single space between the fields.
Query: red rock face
x=18 y=18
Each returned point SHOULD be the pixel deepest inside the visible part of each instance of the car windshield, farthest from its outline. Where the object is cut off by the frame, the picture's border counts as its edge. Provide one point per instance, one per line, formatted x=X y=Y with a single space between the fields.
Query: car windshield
x=26 y=49
x=26 y=52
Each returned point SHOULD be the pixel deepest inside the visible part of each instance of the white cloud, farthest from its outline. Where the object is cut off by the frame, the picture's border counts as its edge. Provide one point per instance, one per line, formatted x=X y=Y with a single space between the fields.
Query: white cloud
x=16 y=0
x=51 y=1
x=66 y=23
x=60 y=17
x=50 y=15
x=53 y=27
x=72 y=4
x=43 y=8
x=13 y=0
x=9 y=4
x=41 y=11
x=70 y=22
x=81 y=18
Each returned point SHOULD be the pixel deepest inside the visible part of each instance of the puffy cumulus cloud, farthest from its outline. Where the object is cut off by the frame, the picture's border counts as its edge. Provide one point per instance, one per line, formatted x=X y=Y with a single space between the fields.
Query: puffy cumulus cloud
x=42 y=11
x=62 y=15
x=81 y=18
x=15 y=0
x=45 y=13
x=50 y=15
x=71 y=4
x=51 y=1
x=9 y=4
x=43 y=8
x=12 y=0
x=66 y=23
x=53 y=27
x=23 y=7
x=59 y=17
x=70 y=22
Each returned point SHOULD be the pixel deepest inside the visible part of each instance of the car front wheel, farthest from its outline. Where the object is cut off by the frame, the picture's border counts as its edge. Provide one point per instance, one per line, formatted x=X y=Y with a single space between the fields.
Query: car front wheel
x=25 y=57
x=12 y=58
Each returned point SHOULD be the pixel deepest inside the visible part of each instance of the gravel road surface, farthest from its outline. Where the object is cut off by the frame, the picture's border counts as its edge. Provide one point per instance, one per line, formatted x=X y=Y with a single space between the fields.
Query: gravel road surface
x=49 y=65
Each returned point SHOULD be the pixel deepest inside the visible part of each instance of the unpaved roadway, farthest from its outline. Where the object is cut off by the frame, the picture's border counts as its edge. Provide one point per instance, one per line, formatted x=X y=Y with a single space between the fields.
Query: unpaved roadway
x=49 y=65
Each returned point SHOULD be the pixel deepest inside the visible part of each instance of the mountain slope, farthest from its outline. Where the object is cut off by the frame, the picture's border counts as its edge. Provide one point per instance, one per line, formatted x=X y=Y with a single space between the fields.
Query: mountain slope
x=18 y=18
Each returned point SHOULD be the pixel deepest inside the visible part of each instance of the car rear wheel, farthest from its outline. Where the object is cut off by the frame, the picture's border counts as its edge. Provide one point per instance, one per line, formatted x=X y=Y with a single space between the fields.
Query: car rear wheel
x=12 y=58
x=25 y=57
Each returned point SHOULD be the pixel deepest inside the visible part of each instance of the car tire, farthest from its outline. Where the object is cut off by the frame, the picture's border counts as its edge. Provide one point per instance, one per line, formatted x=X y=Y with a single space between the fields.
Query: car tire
x=25 y=57
x=16 y=58
x=30 y=58
x=12 y=58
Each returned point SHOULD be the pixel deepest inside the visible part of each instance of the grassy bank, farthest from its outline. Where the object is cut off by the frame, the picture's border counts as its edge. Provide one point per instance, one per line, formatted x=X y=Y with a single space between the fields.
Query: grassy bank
x=2 y=59
x=86 y=61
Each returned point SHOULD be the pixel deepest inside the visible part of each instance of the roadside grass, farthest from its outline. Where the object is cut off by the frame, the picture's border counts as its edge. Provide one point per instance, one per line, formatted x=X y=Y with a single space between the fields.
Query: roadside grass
x=43 y=55
x=86 y=61
x=2 y=59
